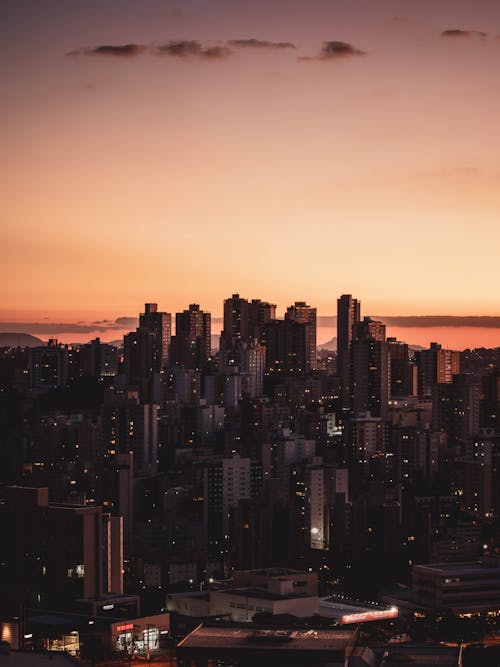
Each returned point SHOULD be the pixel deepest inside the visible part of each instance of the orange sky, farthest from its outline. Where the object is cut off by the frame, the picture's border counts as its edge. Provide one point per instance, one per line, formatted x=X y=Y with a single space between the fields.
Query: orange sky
x=181 y=179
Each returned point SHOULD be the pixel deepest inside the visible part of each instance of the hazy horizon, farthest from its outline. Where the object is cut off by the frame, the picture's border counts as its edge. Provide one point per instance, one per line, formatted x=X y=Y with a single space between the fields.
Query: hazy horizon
x=454 y=336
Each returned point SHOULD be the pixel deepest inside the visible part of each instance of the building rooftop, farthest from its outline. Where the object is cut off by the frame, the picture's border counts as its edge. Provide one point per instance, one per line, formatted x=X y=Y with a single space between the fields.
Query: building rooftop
x=354 y=611
x=262 y=594
x=447 y=568
x=199 y=595
x=273 y=572
x=256 y=638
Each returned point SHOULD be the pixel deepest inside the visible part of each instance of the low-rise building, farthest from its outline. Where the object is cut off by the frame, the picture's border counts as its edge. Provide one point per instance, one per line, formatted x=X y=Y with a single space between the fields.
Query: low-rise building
x=462 y=587
x=241 y=604
x=346 y=610
x=270 y=590
x=262 y=646
x=302 y=582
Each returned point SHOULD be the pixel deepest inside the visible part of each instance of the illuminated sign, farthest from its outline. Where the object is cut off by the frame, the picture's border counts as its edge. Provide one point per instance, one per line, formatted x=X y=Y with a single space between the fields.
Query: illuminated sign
x=126 y=626
x=369 y=616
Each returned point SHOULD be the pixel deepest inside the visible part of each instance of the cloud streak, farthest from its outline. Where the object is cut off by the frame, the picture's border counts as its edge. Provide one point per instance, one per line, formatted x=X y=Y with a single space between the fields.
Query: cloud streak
x=191 y=48
x=183 y=48
x=114 y=50
x=259 y=44
x=186 y=48
x=455 y=32
x=335 y=50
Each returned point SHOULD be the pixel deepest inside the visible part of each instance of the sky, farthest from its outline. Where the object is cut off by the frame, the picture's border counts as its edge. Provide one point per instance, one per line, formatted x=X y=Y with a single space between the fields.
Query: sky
x=179 y=151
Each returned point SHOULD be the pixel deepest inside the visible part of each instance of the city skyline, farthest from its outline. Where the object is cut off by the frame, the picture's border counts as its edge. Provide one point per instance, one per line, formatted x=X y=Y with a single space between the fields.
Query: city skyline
x=455 y=332
x=167 y=149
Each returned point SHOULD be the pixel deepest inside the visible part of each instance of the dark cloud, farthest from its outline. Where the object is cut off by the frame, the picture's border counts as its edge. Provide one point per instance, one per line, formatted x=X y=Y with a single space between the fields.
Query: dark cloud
x=216 y=52
x=335 y=50
x=125 y=50
x=260 y=44
x=189 y=48
x=118 y=50
x=455 y=32
x=184 y=48
x=123 y=322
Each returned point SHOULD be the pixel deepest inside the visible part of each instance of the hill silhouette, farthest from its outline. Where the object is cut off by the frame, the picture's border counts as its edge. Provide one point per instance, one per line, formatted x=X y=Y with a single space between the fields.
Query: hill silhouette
x=19 y=340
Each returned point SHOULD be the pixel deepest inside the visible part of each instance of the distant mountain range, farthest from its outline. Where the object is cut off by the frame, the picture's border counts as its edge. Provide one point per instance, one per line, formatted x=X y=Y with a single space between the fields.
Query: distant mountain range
x=19 y=340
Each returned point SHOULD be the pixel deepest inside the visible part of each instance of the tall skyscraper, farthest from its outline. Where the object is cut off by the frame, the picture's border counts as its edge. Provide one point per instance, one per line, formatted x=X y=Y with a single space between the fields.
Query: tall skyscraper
x=370 y=368
x=286 y=351
x=259 y=314
x=301 y=313
x=368 y=328
x=436 y=366
x=190 y=347
x=146 y=350
x=226 y=481
x=403 y=370
x=130 y=426
x=323 y=483
x=235 y=321
x=159 y=324
x=348 y=314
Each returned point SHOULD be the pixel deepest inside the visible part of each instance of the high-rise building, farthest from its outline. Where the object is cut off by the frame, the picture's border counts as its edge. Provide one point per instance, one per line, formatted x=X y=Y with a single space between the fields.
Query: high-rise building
x=491 y=401
x=436 y=366
x=303 y=314
x=348 y=314
x=364 y=436
x=286 y=347
x=370 y=369
x=368 y=328
x=403 y=370
x=292 y=449
x=159 y=324
x=115 y=488
x=235 y=321
x=323 y=483
x=190 y=347
x=455 y=408
x=145 y=352
x=56 y=553
x=259 y=313
x=128 y=425
x=98 y=359
x=226 y=481
x=49 y=365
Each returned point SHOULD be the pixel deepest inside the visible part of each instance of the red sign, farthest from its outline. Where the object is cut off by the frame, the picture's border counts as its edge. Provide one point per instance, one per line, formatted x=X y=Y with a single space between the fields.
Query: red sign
x=127 y=626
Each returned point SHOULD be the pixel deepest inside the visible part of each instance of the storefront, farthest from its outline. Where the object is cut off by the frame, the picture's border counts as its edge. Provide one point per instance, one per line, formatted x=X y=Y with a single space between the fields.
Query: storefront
x=140 y=636
x=68 y=642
